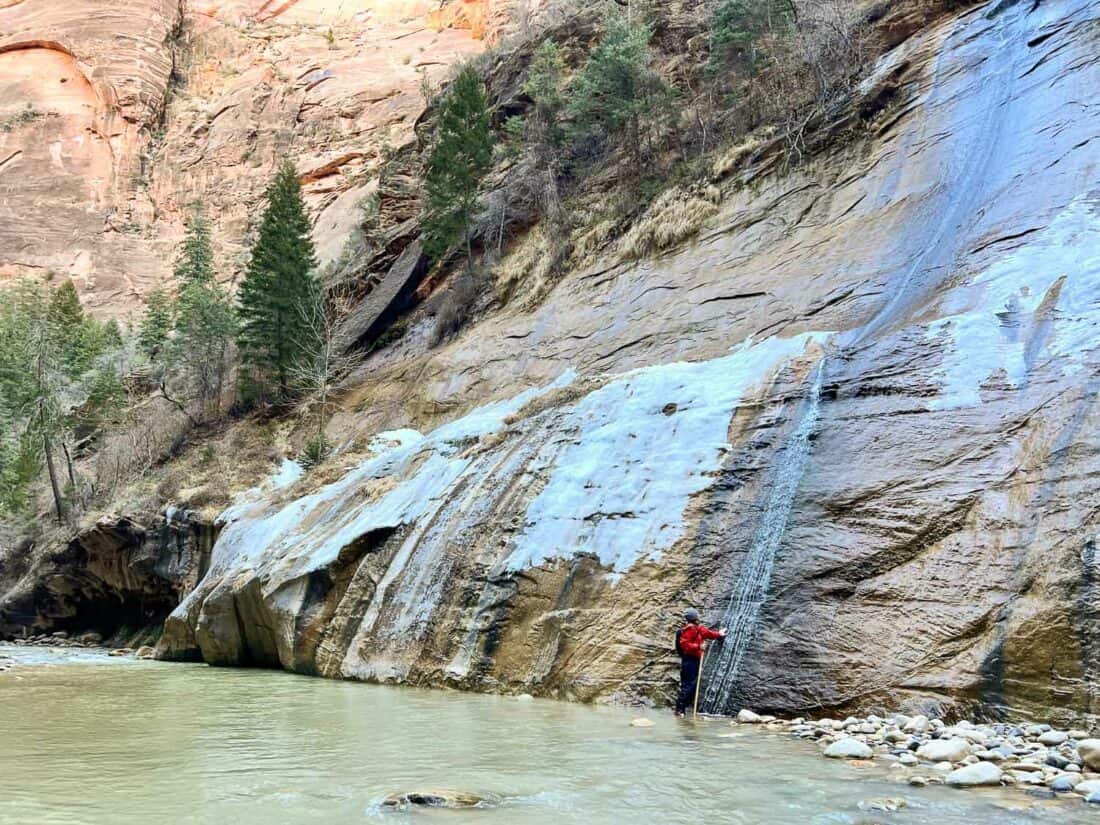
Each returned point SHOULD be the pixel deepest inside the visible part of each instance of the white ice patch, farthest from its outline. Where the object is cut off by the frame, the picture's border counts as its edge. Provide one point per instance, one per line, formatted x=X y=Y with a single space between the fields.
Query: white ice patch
x=619 y=487
x=992 y=321
x=311 y=531
x=288 y=472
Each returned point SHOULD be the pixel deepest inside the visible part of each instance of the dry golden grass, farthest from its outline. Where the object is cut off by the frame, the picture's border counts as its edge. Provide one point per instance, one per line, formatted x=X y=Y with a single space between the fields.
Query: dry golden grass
x=674 y=217
x=590 y=239
x=737 y=154
x=528 y=266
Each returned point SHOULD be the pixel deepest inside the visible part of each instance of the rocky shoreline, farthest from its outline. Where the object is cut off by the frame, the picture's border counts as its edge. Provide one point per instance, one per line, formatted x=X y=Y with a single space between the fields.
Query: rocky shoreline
x=86 y=641
x=1038 y=758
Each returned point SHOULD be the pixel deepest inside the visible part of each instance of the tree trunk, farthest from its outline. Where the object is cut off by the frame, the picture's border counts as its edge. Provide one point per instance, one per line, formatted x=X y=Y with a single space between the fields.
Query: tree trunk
x=53 y=480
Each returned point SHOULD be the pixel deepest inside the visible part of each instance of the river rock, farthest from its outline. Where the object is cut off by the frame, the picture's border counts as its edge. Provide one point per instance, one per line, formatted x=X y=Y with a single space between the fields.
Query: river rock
x=918 y=781
x=641 y=722
x=146 y=652
x=1086 y=787
x=980 y=773
x=886 y=804
x=1077 y=733
x=944 y=750
x=1063 y=782
x=435 y=799
x=1089 y=751
x=1053 y=737
x=747 y=717
x=908 y=759
x=918 y=724
x=849 y=748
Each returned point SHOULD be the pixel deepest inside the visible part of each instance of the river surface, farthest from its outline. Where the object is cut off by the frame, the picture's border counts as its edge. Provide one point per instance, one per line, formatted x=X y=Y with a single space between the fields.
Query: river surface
x=90 y=740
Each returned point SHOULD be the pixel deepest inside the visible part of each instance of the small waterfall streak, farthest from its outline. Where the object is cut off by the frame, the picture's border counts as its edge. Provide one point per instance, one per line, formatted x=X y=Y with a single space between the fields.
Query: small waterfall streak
x=751 y=590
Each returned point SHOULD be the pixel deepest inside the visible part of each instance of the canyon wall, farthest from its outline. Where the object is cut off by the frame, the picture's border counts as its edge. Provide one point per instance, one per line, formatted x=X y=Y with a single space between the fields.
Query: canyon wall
x=115 y=118
x=856 y=420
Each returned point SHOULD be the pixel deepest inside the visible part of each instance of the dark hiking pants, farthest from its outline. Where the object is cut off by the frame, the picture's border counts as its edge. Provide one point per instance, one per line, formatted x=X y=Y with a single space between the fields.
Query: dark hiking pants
x=689 y=676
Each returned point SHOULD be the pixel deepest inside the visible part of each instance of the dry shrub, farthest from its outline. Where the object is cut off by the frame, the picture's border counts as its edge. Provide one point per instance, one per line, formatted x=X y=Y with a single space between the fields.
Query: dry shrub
x=456 y=305
x=674 y=217
x=589 y=240
x=533 y=265
x=734 y=156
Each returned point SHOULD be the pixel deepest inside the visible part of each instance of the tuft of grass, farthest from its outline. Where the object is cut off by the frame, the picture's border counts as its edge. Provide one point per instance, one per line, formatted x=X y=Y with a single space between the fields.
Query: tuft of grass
x=529 y=267
x=671 y=219
x=735 y=155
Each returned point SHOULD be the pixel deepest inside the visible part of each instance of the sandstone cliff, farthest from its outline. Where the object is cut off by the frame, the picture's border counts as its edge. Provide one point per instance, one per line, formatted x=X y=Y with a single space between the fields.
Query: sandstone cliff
x=115 y=117
x=857 y=418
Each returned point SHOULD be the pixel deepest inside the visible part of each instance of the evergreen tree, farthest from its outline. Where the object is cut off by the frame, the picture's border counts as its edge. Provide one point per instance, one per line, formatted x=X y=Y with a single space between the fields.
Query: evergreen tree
x=460 y=158
x=156 y=324
x=273 y=336
x=617 y=93
x=545 y=85
x=737 y=28
x=204 y=318
x=195 y=264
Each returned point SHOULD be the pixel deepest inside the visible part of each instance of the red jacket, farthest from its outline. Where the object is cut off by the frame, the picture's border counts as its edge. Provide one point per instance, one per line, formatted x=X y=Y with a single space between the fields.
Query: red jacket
x=692 y=637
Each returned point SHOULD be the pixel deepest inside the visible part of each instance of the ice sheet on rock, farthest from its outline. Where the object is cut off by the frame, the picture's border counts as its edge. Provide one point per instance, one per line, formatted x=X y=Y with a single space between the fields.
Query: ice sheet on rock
x=620 y=486
x=288 y=472
x=999 y=323
x=311 y=531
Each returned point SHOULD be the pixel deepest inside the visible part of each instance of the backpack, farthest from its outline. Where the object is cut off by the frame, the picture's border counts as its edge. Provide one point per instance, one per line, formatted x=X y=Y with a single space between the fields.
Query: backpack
x=677 y=645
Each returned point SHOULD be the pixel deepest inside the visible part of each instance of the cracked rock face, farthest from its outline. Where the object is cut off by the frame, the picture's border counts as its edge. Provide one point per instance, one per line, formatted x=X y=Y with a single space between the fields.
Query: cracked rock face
x=115 y=118
x=856 y=420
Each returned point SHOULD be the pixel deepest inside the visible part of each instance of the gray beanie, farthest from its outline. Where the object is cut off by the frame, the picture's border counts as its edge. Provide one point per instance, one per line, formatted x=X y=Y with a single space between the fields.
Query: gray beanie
x=691 y=614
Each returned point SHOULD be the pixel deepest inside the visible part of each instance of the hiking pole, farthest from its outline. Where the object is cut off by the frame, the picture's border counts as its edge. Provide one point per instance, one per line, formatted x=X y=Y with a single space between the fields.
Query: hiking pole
x=698 y=681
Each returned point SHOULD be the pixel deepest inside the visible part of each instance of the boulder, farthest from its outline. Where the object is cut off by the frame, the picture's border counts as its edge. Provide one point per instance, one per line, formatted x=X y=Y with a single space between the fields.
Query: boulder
x=747 y=717
x=146 y=652
x=1053 y=737
x=918 y=724
x=944 y=750
x=1063 y=782
x=978 y=774
x=1089 y=751
x=1087 y=787
x=849 y=748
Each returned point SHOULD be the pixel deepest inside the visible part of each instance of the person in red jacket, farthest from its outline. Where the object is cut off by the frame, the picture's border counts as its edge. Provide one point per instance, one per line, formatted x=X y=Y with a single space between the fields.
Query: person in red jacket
x=690 y=640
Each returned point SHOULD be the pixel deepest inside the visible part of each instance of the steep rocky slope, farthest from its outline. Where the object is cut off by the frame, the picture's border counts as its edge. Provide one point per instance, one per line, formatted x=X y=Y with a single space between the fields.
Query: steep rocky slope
x=856 y=420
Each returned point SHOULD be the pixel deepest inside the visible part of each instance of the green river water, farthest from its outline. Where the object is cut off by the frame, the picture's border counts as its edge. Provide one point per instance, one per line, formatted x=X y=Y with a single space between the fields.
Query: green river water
x=88 y=740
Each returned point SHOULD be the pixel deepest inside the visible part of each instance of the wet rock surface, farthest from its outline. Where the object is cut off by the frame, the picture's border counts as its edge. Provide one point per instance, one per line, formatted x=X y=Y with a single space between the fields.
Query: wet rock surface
x=436 y=799
x=113 y=584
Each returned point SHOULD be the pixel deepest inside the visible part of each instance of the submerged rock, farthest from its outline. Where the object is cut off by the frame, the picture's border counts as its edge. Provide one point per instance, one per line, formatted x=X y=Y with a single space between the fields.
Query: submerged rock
x=436 y=799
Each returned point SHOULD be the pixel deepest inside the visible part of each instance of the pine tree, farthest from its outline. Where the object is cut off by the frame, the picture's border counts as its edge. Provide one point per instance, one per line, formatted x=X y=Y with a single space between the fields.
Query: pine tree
x=545 y=85
x=156 y=324
x=459 y=160
x=273 y=336
x=195 y=264
x=204 y=319
x=617 y=93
